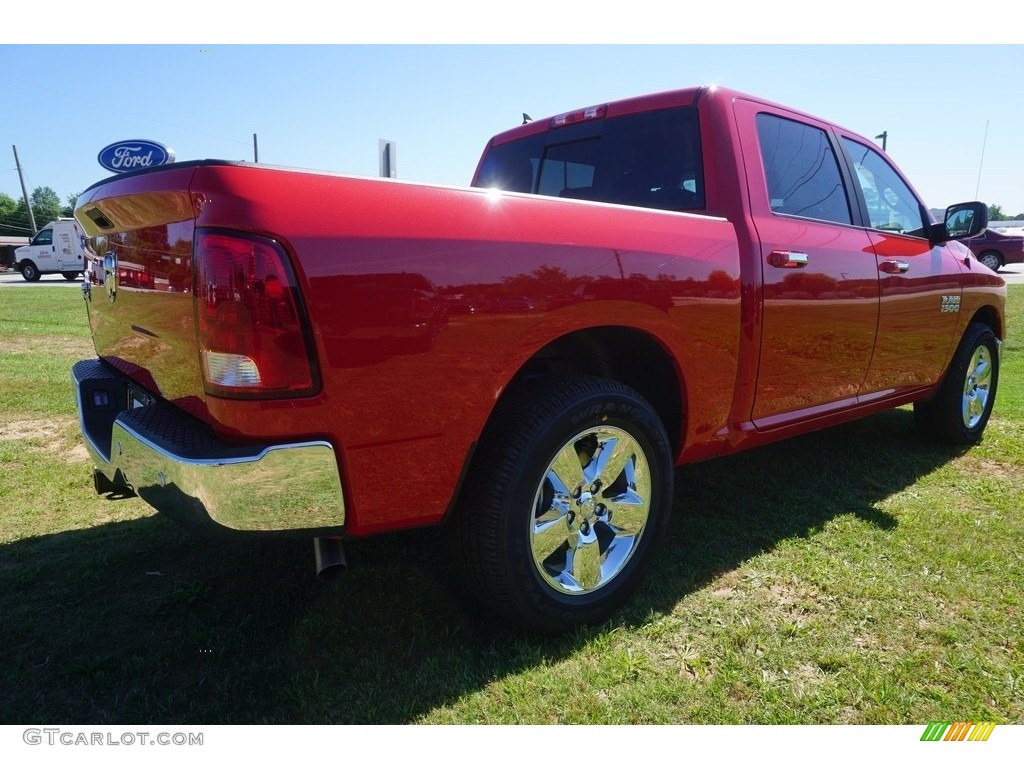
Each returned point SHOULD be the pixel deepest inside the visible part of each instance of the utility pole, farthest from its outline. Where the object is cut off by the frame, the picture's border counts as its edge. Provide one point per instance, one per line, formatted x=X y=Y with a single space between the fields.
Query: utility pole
x=24 y=192
x=883 y=136
x=255 y=150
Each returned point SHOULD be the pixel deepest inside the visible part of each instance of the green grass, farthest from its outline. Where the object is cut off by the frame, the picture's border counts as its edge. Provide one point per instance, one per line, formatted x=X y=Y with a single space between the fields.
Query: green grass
x=856 y=575
x=40 y=330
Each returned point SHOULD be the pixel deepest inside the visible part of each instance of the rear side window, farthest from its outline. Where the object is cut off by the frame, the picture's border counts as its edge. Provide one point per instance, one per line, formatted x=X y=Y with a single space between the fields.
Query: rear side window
x=648 y=160
x=801 y=170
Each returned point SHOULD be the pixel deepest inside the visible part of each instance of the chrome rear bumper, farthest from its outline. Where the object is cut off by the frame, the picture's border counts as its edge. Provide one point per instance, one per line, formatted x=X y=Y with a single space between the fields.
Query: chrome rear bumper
x=176 y=465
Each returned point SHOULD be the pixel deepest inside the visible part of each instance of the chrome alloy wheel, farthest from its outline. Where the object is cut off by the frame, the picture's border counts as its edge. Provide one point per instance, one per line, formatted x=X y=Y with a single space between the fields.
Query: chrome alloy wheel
x=590 y=510
x=568 y=498
x=959 y=410
x=977 y=386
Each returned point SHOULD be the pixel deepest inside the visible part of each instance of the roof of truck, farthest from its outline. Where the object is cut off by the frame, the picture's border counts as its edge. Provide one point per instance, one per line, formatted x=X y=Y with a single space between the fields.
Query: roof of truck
x=651 y=101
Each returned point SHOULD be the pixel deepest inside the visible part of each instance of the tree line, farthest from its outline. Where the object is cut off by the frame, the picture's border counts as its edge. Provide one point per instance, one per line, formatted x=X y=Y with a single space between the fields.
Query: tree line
x=46 y=206
x=995 y=213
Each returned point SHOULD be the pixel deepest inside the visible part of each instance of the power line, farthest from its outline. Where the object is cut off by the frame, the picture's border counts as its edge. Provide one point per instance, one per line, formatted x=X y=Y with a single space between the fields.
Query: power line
x=14 y=226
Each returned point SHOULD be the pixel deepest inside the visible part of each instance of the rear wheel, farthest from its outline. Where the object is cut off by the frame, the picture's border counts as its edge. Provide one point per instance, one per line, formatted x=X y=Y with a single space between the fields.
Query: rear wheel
x=69 y=276
x=960 y=410
x=30 y=272
x=569 y=496
x=991 y=260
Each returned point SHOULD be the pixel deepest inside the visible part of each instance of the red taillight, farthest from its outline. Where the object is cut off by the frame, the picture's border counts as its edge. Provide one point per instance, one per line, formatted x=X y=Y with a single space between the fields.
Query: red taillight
x=579 y=116
x=251 y=328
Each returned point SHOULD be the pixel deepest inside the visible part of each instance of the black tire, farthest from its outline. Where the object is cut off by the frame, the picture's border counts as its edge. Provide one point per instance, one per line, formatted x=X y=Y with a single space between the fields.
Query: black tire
x=69 y=276
x=960 y=410
x=30 y=272
x=557 y=525
x=991 y=259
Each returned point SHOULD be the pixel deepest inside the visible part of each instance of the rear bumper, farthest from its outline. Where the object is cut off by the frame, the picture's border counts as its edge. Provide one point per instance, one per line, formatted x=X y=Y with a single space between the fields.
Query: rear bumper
x=176 y=465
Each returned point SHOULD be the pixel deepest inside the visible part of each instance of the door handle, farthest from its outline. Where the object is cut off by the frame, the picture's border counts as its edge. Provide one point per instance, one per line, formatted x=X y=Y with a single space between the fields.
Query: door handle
x=787 y=259
x=894 y=266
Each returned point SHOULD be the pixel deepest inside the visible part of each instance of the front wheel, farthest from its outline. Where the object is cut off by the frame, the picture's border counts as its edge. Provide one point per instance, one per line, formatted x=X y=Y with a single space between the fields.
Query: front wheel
x=991 y=260
x=569 y=495
x=960 y=410
x=30 y=272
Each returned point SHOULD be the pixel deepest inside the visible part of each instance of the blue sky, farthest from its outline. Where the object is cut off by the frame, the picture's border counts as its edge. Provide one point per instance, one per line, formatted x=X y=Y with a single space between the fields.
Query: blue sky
x=950 y=111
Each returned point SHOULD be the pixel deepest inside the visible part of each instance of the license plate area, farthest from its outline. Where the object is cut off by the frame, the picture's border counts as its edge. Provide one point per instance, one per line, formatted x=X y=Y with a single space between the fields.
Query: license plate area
x=138 y=398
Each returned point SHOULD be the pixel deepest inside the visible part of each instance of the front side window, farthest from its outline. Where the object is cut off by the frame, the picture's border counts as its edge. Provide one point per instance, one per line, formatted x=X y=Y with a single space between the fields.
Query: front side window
x=891 y=204
x=43 y=237
x=801 y=170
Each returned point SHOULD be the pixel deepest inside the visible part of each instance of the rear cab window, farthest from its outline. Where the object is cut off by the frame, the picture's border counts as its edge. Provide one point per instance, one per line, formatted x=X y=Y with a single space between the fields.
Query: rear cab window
x=648 y=160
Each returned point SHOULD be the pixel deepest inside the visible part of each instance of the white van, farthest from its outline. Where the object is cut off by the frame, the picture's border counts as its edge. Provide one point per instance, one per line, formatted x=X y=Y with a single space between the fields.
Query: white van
x=59 y=247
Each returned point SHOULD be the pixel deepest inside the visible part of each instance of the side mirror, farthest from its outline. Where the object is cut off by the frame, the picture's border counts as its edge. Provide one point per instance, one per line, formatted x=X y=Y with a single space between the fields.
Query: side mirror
x=962 y=220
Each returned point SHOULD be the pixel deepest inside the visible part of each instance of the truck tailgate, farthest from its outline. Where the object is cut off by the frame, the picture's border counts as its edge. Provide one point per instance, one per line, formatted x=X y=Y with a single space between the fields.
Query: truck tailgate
x=139 y=292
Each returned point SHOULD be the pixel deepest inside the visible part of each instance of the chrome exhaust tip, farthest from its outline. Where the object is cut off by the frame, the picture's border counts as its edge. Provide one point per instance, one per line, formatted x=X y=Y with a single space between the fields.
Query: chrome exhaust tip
x=330 y=556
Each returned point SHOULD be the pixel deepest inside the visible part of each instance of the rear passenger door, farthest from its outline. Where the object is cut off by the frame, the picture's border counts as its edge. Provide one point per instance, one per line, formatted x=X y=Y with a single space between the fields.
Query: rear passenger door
x=819 y=278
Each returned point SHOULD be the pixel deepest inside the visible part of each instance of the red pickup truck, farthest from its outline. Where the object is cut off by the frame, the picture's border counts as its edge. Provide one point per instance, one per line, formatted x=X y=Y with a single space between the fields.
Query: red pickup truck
x=624 y=288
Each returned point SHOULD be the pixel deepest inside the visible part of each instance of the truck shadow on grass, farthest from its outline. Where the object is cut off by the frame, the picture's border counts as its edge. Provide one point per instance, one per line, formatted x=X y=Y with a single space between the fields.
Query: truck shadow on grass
x=140 y=622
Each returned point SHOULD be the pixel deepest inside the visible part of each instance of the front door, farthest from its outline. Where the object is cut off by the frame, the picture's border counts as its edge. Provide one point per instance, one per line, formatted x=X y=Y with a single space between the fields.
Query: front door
x=41 y=251
x=920 y=283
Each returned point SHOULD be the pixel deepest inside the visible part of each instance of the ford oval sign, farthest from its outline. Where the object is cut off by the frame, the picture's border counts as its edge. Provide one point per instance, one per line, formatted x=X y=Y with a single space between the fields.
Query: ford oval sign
x=124 y=156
